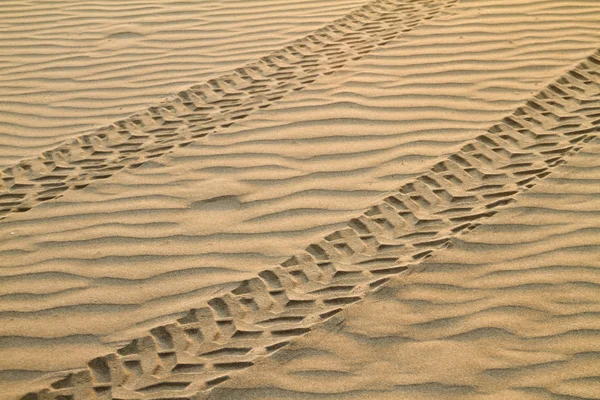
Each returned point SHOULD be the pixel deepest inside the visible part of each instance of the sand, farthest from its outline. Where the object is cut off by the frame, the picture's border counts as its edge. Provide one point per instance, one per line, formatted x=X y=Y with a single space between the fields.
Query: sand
x=520 y=322
x=501 y=310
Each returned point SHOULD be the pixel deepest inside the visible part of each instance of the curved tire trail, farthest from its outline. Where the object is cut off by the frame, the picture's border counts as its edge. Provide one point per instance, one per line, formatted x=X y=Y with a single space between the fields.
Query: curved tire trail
x=262 y=315
x=211 y=107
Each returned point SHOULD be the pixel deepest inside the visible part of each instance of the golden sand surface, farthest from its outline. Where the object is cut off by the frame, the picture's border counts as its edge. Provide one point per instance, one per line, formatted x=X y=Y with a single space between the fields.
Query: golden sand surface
x=162 y=161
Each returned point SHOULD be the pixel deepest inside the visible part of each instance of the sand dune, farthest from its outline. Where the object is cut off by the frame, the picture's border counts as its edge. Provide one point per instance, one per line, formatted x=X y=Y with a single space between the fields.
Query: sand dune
x=100 y=265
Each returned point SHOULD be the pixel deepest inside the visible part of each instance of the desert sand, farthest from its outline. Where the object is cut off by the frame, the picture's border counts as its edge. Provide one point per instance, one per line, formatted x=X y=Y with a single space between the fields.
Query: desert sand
x=294 y=200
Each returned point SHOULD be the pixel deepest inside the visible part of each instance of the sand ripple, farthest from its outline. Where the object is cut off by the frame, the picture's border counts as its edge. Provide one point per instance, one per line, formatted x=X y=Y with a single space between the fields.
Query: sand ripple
x=105 y=263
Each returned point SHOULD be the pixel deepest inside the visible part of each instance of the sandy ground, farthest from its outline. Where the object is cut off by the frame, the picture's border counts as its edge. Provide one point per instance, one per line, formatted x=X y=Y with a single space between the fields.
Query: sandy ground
x=509 y=311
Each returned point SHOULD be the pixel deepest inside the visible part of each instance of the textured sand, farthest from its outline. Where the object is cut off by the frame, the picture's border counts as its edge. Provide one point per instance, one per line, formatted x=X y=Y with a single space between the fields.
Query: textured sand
x=98 y=266
x=70 y=66
x=509 y=312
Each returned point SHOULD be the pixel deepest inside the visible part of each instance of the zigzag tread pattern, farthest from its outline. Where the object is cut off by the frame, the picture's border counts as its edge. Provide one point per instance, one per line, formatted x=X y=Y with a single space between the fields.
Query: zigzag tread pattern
x=211 y=107
x=262 y=315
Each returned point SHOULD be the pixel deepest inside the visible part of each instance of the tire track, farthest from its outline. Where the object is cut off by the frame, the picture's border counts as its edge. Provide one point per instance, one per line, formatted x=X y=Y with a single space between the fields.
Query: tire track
x=263 y=314
x=504 y=309
x=211 y=107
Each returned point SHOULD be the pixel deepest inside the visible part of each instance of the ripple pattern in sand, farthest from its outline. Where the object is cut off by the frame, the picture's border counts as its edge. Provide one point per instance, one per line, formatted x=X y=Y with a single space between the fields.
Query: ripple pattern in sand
x=164 y=214
x=69 y=66
x=510 y=311
x=236 y=330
